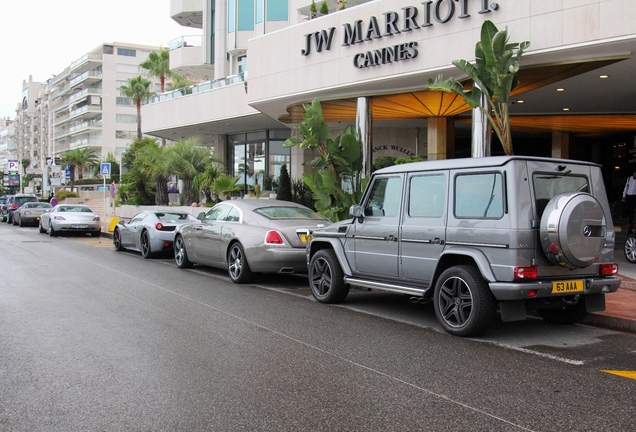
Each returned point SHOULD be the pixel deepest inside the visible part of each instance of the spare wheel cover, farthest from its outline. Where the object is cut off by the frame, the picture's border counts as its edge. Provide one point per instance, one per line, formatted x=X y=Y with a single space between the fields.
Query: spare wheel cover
x=575 y=223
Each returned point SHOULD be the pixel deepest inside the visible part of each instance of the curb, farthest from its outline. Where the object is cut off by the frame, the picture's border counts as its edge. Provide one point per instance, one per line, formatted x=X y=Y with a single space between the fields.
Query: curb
x=610 y=322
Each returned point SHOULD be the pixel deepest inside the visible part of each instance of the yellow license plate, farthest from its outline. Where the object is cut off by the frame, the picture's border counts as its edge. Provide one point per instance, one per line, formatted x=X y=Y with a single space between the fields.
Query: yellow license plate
x=566 y=287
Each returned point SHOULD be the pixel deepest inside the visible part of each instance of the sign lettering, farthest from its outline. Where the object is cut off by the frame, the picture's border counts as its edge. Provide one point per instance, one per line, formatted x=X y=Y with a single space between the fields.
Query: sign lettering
x=410 y=18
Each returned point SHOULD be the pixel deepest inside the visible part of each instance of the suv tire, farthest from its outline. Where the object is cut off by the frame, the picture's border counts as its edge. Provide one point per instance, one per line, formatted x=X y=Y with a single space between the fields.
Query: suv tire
x=464 y=305
x=326 y=277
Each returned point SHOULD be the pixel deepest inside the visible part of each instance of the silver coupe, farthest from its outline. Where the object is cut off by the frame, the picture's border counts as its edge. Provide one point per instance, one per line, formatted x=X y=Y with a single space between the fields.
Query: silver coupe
x=150 y=231
x=70 y=218
x=248 y=236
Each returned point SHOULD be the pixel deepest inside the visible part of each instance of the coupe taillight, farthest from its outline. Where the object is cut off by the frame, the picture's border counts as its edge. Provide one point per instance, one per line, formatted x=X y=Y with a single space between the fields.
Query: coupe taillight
x=273 y=237
x=158 y=226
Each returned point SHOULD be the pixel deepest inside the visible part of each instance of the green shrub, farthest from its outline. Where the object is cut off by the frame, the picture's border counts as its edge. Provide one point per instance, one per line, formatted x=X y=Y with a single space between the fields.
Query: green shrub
x=62 y=194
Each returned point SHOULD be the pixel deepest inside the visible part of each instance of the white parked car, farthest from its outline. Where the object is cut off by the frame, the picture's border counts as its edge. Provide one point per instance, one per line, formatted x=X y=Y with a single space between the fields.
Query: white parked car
x=65 y=218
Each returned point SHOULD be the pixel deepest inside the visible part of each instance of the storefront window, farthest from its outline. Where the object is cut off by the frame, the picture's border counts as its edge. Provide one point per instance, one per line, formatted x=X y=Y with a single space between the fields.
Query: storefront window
x=258 y=156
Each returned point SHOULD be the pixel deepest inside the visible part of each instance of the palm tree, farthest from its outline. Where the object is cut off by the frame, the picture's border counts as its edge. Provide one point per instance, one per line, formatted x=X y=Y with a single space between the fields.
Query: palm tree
x=158 y=65
x=204 y=181
x=151 y=160
x=80 y=159
x=494 y=75
x=138 y=89
x=137 y=174
x=188 y=158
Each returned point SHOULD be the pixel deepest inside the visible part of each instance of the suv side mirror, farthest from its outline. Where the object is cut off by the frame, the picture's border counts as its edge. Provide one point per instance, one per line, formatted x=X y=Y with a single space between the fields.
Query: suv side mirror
x=201 y=216
x=355 y=210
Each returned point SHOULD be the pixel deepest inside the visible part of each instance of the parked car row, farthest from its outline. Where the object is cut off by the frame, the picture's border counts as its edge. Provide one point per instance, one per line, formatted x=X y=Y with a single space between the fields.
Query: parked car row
x=11 y=203
x=26 y=209
x=243 y=236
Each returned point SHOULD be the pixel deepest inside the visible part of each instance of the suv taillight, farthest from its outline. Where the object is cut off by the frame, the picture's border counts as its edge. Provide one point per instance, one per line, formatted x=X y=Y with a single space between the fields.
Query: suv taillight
x=14 y=206
x=525 y=273
x=608 y=269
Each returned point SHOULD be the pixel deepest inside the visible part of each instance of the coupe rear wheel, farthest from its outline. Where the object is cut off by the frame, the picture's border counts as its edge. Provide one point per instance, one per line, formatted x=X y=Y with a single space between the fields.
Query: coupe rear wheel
x=117 y=241
x=237 y=266
x=630 y=247
x=96 y=233
x=326 y=278
x=51 y=231
x=41 y=228
x=145 y=245
x=180 y=254
x=464 y=305
x=20 y=223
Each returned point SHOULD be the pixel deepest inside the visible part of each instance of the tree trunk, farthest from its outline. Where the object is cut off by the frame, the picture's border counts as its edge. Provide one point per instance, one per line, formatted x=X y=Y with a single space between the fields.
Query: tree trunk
x=139 y=136
x=161 y=193
x=187 y=192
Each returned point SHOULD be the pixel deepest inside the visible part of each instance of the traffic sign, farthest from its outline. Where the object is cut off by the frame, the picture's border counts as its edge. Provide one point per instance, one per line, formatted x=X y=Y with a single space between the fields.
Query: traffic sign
x=104 y=169
x=13 y=166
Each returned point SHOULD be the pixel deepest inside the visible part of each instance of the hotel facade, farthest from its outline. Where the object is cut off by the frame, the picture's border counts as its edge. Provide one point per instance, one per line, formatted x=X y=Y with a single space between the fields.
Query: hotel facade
x=259 y=61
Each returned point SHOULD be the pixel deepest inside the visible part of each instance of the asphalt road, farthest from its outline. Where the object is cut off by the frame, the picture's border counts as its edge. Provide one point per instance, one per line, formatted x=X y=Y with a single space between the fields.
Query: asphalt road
x=96 y=340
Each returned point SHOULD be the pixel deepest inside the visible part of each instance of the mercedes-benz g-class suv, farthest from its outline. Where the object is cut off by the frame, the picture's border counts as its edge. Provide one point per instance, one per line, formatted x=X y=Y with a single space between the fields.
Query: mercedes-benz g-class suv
x=507 y=233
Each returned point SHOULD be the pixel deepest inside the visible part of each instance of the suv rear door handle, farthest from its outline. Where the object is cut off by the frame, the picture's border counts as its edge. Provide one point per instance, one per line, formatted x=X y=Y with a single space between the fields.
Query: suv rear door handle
x=391 y=238
x=437 y=240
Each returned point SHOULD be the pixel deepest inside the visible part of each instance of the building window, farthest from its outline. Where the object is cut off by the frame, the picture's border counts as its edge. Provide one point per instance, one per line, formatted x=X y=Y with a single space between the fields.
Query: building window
x=126 y=52
x=132 y=69
x=277 y=10
x=260 y=10
x=231 y=16
x=256 y=155
x=245 y=15
x=124 y=101
x=126 y=118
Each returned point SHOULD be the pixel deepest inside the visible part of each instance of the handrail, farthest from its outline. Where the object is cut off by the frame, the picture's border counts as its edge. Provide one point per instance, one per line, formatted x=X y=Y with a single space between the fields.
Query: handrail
x=199 y=88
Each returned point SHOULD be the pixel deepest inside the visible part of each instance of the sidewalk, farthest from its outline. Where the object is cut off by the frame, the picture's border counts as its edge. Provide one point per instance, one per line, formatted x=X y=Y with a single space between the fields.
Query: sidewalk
x=620 y=306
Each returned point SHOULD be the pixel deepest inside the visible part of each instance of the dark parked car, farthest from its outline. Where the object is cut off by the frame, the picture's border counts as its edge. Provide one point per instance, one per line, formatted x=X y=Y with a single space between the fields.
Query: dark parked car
x=29 y=213
x=13 y=203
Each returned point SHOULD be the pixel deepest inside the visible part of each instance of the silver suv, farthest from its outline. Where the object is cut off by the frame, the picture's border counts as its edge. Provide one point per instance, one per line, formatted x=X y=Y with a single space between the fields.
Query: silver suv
x=475 y=236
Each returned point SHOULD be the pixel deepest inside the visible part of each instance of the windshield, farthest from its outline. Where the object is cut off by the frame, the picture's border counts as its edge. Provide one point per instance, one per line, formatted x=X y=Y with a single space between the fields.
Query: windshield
x=278 y=213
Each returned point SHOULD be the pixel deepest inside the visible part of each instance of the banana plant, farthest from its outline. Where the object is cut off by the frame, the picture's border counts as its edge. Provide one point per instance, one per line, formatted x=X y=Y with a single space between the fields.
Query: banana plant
x=494 y=75
x=338 y=160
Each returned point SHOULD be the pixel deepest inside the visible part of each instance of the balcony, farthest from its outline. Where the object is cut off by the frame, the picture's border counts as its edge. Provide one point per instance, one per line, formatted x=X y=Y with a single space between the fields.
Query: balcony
x=187 y=57
x=86 y=62
x=187 y=13
x=91 y=76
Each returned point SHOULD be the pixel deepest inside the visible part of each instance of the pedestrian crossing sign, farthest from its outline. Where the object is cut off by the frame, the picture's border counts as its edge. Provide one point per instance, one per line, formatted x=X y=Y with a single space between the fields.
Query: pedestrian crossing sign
x=104 y=169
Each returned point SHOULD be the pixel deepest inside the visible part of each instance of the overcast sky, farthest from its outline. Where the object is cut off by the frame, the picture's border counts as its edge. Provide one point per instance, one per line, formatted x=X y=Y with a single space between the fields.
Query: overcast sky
x=42 y=37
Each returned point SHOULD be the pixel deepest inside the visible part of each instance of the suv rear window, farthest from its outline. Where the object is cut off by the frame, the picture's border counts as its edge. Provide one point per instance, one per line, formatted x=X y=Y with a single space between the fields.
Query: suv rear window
x=22 y=200
x=549 y=185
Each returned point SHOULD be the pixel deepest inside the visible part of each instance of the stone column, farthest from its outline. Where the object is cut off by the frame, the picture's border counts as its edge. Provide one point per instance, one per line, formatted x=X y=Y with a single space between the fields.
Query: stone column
x=364 y=129
x=441 y=138
x=561 y=145
x=481 y=131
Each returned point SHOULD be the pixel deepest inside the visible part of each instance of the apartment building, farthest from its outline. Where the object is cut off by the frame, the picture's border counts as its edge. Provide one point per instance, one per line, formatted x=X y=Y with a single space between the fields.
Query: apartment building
x=369 y=64
x=86 y=107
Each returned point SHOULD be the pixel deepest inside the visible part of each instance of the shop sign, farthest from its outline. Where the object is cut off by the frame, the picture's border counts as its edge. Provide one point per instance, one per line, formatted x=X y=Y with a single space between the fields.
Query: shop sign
x=410 y=18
